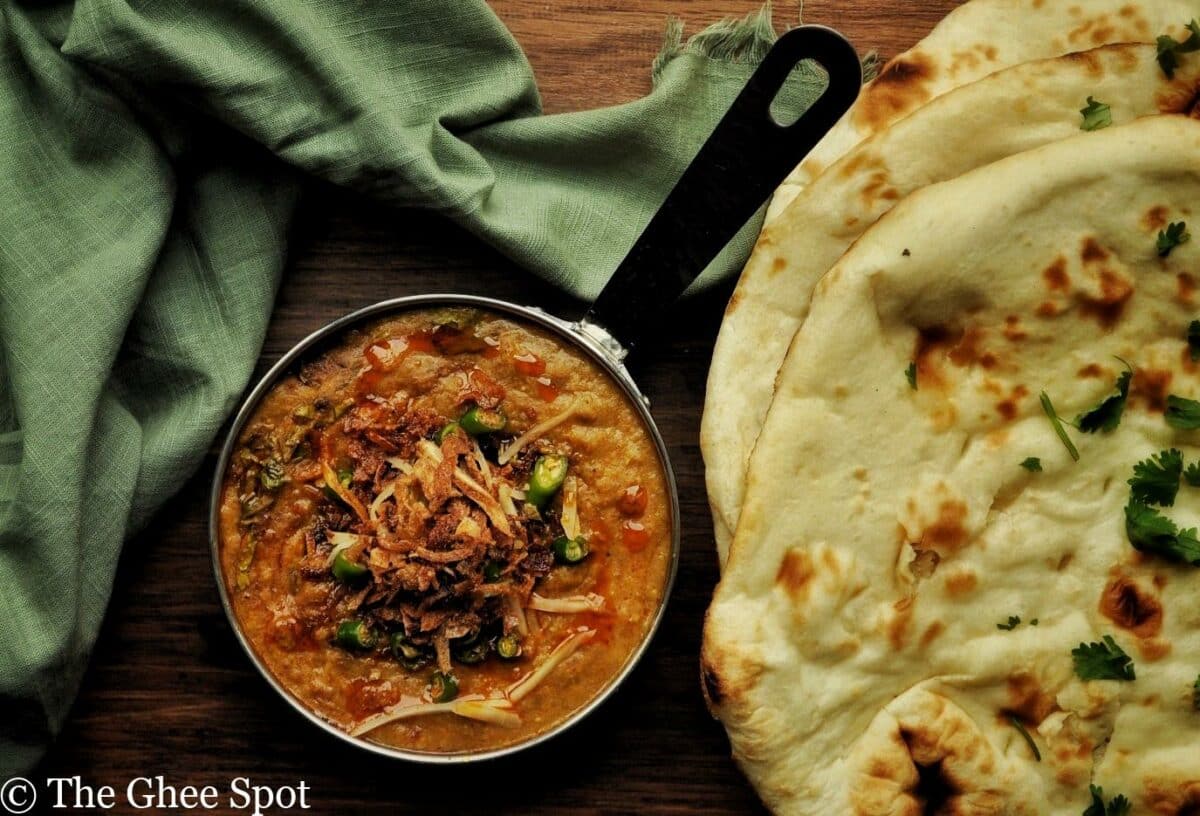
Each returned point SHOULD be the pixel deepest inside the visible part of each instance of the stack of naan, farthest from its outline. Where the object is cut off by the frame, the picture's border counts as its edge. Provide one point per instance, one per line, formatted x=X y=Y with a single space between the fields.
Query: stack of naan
x=952 y=433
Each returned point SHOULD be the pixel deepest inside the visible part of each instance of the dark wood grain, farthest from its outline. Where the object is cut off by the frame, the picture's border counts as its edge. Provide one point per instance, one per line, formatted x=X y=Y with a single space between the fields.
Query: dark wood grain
x=169 y=692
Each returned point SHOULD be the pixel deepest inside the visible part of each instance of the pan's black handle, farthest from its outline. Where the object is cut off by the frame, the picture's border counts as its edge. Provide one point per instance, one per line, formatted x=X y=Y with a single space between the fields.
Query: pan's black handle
x=745 y=158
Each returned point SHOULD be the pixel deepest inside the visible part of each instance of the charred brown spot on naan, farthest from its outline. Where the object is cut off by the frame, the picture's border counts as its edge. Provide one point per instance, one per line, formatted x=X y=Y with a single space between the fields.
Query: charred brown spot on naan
x=1153 y=649
x=1093 y=252
x=898 y=621
x=963 y=348
x=1090 y=60
x=968 y=351
x=1155 y=218
x=1091 y=371
x=1073 y=756
x=961 y=582
x=1185 y=288
x=1172 y=797
x=877 y=188
x=1012 y=329
x=1108 y=304
x=889 y=773
x=796 y=573
x=947 y=533
x=1009 y=407
x=1181 y=96
x=710 y=685
x=859 y=162
x=1185 y=361
x=1056 y=277
x=932 y=632
x=931 y=760
x=901 y=86
x=1131 y=606
x=1150 y=388
x=1027 y=700
x=932 y=344
x=973 y=59
x=1127 y=25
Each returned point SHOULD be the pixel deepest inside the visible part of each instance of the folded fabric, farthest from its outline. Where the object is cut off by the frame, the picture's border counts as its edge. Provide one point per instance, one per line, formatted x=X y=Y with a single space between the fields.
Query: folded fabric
x=153 y=153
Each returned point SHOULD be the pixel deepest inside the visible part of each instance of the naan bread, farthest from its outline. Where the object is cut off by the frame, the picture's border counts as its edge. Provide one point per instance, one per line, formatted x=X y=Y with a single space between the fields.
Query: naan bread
x=1011 y=111
x=974 y=40
x=852 y=648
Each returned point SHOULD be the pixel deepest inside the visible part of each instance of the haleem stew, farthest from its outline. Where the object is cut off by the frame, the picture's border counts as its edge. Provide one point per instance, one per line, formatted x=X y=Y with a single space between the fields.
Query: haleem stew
x=447 y=532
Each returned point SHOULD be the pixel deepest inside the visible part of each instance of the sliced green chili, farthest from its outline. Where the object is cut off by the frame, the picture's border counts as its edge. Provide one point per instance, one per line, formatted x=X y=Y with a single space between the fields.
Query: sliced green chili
x=470 y=650
x=246 y=559
x=570 y=550
x=356 y=635
x=297 y=444
x=443 y=687
x=345 y=476
x=545 y=479
x=255 y=504
x=492 y=571
x=446 y=430
x=479 y=421
x=509 y=647
x=409 y=654
x=346 y=570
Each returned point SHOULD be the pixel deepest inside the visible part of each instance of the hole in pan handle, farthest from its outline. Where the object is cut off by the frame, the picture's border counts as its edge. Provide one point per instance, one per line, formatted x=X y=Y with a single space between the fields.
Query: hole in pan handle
x=743 y=161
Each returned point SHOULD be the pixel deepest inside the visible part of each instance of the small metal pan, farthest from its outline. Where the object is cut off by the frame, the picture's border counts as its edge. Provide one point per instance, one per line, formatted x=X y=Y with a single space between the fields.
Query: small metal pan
x=745 y=158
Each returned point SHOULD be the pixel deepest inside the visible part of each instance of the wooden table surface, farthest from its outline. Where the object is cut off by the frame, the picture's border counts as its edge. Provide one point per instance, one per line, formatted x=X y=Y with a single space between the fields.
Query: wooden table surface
x=169 y=691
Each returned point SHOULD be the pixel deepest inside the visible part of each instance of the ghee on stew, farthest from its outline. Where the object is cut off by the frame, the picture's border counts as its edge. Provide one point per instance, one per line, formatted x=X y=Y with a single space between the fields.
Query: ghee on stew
x=446 y=533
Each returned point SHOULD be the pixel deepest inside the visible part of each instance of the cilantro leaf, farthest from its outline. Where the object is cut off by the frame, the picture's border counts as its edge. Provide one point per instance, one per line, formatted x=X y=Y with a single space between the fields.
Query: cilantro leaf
x=1056 y=423
x=1193 y=340
x=1013 y=622
x=1104 y=660
x=1187 y=548
x=1191 y=474
x=910 y=373
x=1151 y=532
x=1196 y=694
x=1147 y=529
x=1096 y=808
x=1156 y=480
x=1106 y=416
x=1117 y=806
x=1182 y=413
x=1096 y=115
x=1169 y=49
x=1032 y=464
x=1175 y=234
x=1020 y=726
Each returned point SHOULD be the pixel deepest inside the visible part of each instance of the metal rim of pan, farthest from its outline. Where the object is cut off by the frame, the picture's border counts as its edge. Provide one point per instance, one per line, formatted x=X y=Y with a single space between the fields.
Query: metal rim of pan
x=565 y=332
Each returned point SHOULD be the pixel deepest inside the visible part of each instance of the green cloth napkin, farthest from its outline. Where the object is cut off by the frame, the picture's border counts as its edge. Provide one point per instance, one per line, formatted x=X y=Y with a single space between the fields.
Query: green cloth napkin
x=152 y=153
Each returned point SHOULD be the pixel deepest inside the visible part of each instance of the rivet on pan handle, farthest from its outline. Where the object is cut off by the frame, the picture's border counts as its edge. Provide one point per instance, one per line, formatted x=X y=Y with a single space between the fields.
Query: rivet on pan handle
x=743 y=161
